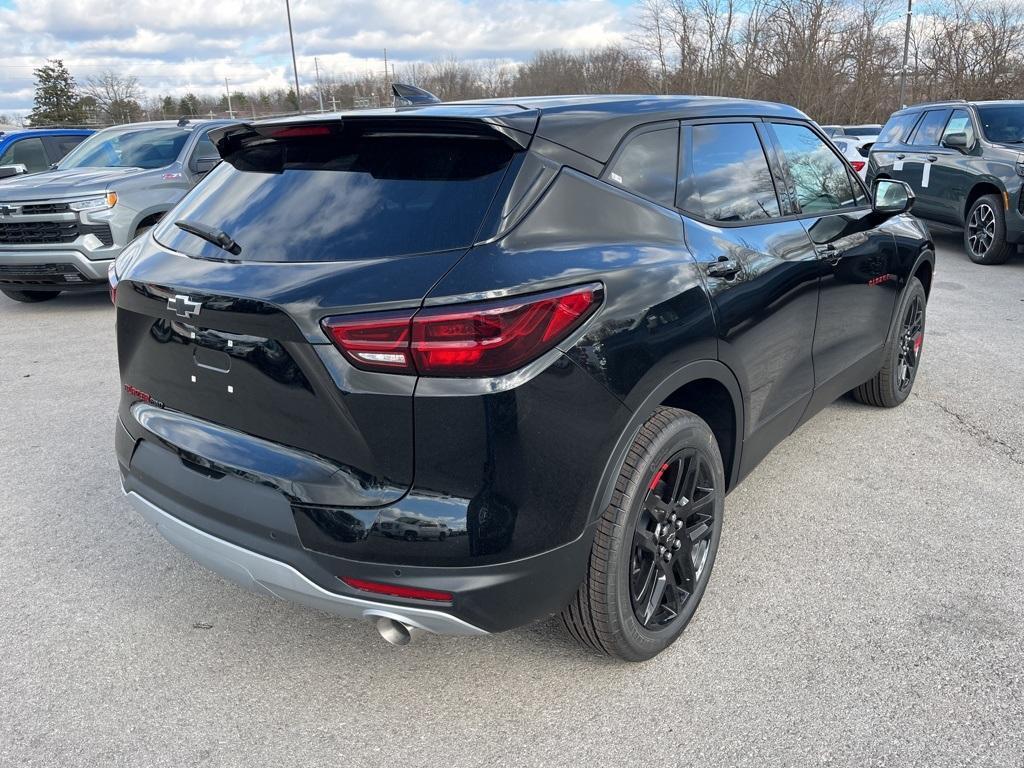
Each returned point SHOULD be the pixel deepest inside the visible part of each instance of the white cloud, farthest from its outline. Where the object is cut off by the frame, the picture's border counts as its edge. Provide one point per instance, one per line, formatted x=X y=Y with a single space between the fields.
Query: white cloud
x=194 y=44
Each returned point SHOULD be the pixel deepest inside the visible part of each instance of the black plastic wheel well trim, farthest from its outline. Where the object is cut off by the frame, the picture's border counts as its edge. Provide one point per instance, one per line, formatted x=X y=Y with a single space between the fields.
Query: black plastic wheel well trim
x=694 y=371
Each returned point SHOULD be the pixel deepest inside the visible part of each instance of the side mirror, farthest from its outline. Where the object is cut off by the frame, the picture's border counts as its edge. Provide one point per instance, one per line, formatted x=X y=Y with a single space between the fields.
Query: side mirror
x=205 y=164
x=6 y=171
x=891 y=197
x=956 y=141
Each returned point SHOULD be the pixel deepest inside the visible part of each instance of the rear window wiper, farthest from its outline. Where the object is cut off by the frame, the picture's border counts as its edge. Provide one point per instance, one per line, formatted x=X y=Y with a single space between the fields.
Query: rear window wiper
x=211 y=235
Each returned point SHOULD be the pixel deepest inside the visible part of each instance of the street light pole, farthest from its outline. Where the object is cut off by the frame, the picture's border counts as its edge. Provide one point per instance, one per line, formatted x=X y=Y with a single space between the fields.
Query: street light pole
x=906 y=51
x=227 y=91
x=295 y=67
x=319 y=86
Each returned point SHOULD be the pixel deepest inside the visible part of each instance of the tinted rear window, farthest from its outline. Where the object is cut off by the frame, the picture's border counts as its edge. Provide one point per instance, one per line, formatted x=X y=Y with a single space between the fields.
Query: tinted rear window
x=898 y=128
x=930 y=129
x=647 y=165
x=729 y=178
x=354 y=195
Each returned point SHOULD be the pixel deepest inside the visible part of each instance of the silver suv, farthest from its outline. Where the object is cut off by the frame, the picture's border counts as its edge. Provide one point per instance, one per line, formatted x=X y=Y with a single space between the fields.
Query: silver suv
x=61 y=229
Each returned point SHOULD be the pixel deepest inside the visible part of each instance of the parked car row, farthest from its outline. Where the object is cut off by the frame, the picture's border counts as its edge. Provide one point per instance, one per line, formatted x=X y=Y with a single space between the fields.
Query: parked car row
x=60 y=229
x=965 y=163
x=565 y=326
x=963 y=160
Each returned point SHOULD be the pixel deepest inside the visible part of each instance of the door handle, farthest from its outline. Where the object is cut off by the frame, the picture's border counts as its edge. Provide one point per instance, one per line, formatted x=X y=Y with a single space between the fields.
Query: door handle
x=932 y=158
x=724 y=267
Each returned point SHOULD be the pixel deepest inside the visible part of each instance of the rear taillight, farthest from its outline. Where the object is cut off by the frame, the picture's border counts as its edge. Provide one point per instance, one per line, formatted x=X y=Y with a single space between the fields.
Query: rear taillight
x=858 y=165
x=377 y=342
x=485 y=339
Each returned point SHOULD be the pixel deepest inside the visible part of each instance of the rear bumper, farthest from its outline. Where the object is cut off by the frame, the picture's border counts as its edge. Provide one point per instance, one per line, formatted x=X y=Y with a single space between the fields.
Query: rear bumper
x=249 y=533
x=267 y=576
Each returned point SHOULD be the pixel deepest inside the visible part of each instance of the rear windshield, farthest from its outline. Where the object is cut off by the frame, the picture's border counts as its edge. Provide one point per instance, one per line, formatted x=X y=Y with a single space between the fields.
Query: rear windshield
x=357 y=194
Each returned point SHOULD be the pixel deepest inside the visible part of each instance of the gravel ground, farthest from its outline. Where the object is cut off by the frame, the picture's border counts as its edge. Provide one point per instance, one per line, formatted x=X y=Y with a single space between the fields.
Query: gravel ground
x=866 y=607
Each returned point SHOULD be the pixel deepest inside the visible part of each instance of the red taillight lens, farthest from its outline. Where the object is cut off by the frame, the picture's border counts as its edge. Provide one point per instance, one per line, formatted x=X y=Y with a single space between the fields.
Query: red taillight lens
x=485 y=339
x=377 y=342
x=858 y=165
x=397 y=590
x=497 y=337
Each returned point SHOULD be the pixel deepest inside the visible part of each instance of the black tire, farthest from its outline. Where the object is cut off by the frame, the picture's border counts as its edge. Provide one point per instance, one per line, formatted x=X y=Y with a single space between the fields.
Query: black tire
x=893 y=382
x=985 y=232
x=603 y=615
x=409 y=536
x=30 y=297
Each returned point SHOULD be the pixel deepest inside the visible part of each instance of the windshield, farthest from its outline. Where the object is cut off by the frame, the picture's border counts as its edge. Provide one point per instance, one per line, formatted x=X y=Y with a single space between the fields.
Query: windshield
x=1003 y=123
x=128 y=148
x=862 y=130
x=354 y=195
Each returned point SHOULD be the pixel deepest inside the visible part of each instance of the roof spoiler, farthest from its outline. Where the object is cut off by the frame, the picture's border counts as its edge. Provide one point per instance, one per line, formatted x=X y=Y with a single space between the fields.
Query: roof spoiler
x=411 y=96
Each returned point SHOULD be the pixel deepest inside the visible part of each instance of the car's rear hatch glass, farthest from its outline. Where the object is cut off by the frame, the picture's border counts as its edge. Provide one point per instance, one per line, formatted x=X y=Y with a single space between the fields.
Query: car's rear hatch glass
x=345 y=191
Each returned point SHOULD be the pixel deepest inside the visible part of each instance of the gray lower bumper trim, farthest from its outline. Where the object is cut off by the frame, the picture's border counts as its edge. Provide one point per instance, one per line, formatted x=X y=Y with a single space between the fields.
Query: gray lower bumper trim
x=266 y=576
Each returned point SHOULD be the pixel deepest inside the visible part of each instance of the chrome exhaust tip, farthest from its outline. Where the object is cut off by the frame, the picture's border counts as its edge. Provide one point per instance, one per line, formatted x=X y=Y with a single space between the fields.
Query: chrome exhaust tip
x=396 y=632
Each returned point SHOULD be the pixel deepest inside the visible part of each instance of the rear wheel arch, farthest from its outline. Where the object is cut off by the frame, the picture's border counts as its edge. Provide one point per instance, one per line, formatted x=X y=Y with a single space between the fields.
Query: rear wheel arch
x=923 y=271
x=707 y=388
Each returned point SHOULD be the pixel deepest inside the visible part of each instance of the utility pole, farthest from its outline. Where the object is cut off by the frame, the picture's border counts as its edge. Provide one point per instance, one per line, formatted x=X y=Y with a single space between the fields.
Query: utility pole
x=319 y=87
x=227 y=90
x=906 y=51
x=387 y=85
x=295 y=67
x=334 y=103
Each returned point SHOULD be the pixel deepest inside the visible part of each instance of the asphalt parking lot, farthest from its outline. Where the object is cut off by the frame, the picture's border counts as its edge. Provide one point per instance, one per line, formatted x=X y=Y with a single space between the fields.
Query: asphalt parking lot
x=867 y=606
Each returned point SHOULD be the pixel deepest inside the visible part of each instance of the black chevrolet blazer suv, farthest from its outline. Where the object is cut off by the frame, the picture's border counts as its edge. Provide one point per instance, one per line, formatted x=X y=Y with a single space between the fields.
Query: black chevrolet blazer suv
x=459 y=367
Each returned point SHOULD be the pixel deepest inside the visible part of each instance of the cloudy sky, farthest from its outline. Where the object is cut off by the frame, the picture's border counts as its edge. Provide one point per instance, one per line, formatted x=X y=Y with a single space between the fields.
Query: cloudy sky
x=182 y=45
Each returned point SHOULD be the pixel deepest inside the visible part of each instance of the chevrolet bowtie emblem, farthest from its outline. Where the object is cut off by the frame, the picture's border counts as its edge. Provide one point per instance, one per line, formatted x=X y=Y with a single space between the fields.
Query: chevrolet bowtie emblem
x=183 y=306
x=10 y=210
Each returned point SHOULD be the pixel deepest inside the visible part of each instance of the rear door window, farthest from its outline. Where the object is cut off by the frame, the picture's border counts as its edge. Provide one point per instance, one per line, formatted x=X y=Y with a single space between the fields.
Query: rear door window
x=728 y=177
x=357 y=193
x=928 y=132
x=647 y=165
x=898 y=128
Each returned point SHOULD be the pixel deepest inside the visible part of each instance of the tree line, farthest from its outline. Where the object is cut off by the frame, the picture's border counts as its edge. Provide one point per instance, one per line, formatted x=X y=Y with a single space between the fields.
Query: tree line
x=837 y=60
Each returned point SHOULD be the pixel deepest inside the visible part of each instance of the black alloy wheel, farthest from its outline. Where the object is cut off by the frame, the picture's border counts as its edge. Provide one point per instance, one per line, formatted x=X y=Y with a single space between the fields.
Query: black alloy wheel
x=672 y=539
x=891 y=385
x=911 y=340
x=655 y=544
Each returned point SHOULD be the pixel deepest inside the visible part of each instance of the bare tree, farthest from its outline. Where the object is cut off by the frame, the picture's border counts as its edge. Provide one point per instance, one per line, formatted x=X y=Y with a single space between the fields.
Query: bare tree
x=117 y=97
